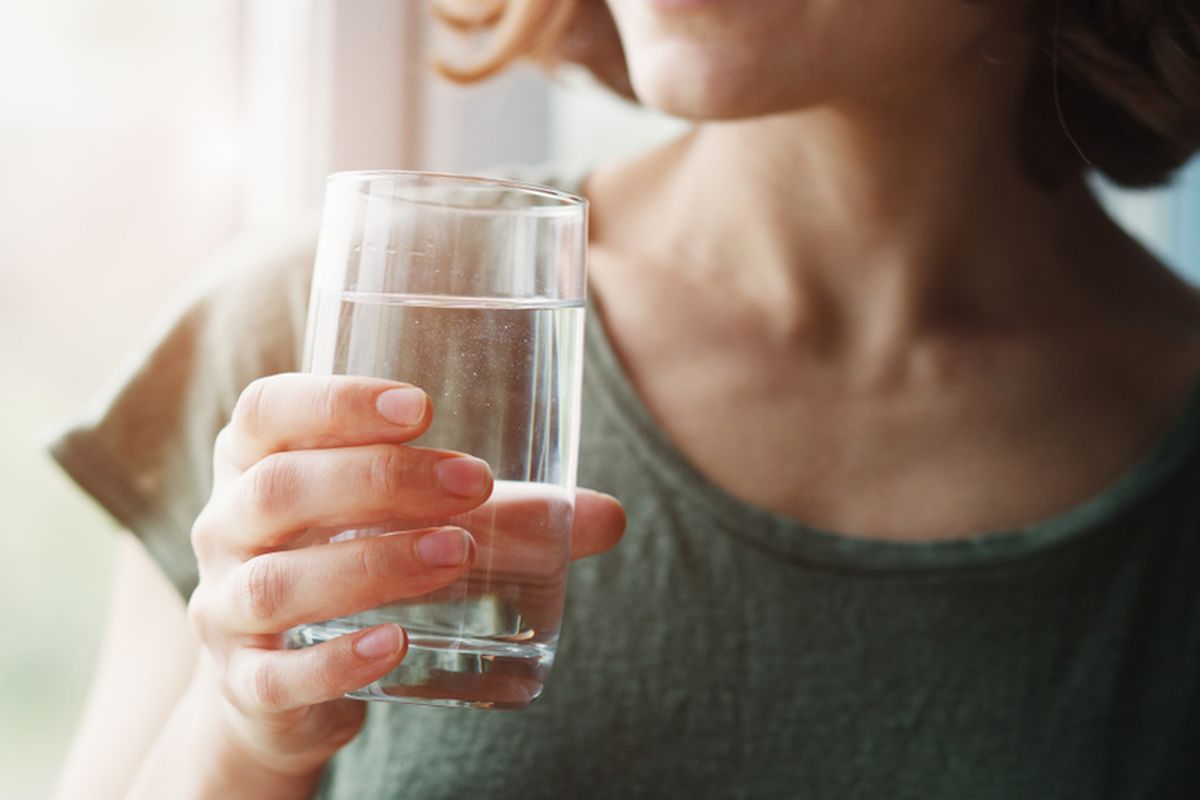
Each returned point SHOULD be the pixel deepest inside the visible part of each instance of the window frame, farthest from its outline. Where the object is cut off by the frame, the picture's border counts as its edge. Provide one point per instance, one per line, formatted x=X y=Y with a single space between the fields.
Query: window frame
x=331 y=86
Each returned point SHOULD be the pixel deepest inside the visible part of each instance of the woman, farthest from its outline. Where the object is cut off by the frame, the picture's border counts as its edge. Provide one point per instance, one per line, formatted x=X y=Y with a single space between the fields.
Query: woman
x=905 y=427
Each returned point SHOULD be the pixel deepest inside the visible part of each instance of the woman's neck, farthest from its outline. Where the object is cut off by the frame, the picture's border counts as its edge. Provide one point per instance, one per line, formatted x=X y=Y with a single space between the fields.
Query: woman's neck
x=876 y=222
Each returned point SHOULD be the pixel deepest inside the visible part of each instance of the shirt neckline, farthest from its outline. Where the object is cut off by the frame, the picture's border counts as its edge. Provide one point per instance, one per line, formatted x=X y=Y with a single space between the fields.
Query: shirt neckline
x=798 y=539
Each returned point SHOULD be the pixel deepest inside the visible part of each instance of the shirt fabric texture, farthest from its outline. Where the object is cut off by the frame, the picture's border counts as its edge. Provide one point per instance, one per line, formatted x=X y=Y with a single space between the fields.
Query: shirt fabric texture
x=721 y=650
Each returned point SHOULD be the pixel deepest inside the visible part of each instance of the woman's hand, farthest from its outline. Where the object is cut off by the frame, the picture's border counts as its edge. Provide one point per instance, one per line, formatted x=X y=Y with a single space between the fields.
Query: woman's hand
x=305 y=453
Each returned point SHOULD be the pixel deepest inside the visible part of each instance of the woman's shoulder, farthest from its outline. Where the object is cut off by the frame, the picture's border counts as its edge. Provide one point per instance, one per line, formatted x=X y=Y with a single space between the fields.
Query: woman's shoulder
x=142 y=446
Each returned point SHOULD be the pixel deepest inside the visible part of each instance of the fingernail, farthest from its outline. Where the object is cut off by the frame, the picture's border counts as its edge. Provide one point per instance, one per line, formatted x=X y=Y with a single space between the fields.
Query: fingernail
x=464 y=476
x=401 y=406
x=447 y=547
x=380 y=642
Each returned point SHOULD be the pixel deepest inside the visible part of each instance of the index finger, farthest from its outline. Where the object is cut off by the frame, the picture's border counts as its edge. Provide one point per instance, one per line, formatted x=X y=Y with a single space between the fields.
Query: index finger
x=297 y=411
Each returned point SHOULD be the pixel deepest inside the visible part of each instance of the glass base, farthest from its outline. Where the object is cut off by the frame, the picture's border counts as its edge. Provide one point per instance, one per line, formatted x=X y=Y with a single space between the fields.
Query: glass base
x=453 y=672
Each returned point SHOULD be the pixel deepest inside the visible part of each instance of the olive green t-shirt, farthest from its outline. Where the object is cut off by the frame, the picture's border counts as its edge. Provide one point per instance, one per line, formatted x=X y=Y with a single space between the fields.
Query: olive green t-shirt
x=723 y=651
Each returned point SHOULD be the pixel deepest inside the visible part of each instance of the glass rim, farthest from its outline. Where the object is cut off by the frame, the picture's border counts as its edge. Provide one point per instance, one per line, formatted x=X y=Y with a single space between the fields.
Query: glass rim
x=566 y=203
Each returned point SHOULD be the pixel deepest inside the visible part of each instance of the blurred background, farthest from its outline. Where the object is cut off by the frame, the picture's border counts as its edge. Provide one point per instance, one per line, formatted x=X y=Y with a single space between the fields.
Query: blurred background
x=136 y=137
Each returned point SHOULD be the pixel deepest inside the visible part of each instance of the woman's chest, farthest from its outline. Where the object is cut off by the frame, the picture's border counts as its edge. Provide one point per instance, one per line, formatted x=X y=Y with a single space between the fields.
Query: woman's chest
x=937 y=441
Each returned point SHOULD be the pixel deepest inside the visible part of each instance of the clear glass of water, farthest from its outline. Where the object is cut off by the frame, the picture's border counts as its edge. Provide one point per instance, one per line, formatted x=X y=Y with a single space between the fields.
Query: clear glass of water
x=472 y=289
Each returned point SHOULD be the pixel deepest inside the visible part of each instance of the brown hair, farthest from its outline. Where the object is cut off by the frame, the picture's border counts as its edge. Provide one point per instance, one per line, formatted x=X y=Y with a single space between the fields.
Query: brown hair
x=1115 y=86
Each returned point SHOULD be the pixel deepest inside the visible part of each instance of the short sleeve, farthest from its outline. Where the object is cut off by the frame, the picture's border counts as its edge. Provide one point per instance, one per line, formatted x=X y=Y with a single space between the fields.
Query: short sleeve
x=143 y=450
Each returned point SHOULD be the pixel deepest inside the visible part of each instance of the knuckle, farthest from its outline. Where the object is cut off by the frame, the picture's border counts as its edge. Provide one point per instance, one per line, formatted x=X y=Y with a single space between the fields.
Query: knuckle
x=250 y=409
x=329 y=403
x=266 y=688
x=199 y=612
x=379 y=568
x=204 y=534
x=223 y=445
x=374 y=563
x=388 y=473
x=261 y=589
x=272 y=484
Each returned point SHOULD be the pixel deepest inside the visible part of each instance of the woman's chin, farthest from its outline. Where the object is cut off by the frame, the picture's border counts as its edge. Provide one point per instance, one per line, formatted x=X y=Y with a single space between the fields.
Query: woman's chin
x=698 y=94
x=688 y=82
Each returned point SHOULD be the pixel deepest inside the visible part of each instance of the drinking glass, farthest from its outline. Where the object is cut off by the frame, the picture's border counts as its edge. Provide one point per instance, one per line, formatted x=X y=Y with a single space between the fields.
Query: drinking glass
x=472 y=289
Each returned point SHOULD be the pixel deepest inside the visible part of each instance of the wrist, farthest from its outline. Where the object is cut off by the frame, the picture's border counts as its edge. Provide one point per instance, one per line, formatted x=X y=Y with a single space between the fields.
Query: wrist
x=251 y=771
x=204 y=755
